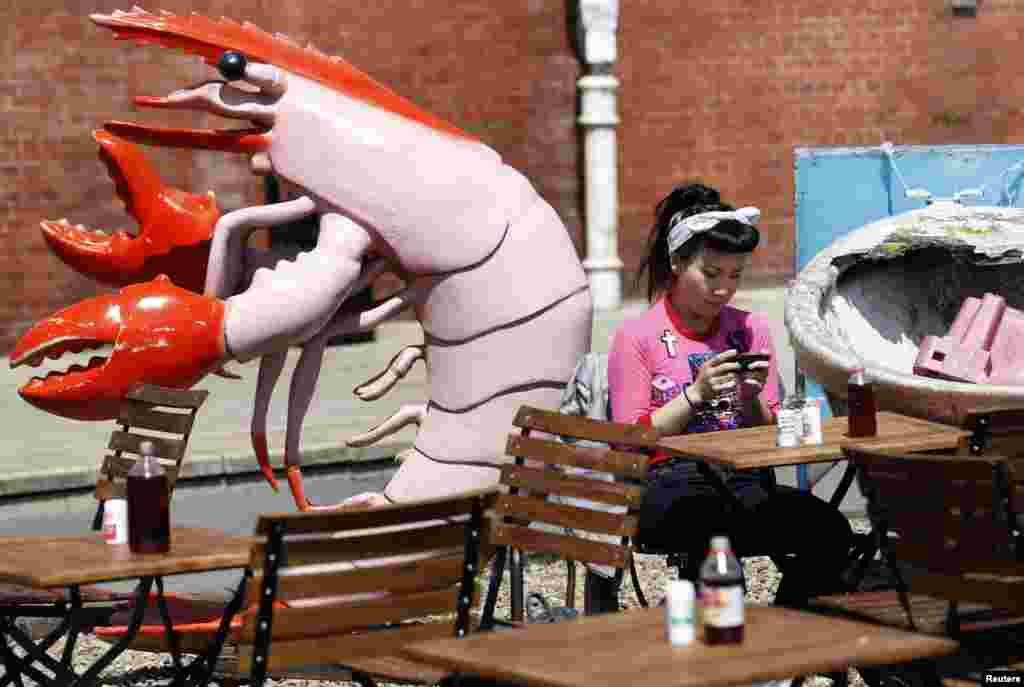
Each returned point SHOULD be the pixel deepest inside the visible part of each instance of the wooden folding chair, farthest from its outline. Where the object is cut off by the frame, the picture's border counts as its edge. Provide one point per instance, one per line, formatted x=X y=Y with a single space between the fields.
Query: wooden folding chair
x=159 y=415
x=350 y=588
x=580 y=503
x=946 y=527
x=996 y=429
x=167 y=416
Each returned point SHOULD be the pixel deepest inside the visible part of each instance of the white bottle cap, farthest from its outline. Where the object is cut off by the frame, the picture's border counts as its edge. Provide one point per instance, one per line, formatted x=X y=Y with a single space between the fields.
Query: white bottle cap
x=720 y=543
x=680 y=612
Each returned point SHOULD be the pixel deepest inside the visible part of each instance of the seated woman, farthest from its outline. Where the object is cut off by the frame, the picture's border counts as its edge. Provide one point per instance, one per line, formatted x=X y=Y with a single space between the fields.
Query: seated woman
x=674 y=368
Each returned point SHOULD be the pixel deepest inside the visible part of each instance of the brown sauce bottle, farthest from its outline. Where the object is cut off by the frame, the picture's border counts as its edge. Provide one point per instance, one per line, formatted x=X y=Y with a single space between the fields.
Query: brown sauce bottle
x=149 y=504
x=863 y=409
x=721 y=595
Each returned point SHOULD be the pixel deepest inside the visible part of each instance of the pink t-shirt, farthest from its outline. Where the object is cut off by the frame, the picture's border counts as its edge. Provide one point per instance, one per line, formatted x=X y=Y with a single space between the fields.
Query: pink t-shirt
x=654 y=357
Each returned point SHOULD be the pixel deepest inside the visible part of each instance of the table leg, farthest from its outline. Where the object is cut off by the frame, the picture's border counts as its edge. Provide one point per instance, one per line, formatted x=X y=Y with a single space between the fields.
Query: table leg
x=33 y=654
x=497 y=571
x=517 y=571
x=201 y=669
x=844 y=485
x=74 y=624
x=719 y=485
x=90 y=676
x=169 y=633
x=12 y=669
x=61 y=608
x=734 y=504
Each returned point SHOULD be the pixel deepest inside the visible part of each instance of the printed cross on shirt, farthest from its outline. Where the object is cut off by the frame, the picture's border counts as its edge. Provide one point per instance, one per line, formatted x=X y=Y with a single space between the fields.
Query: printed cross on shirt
x=669 y=339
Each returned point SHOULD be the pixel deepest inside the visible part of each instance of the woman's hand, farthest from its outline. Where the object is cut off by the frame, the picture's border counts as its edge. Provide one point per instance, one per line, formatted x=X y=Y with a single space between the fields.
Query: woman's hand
x=717 y=376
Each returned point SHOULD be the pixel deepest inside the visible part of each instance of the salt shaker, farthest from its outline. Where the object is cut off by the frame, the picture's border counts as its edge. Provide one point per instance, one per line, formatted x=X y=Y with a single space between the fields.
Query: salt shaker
x=680 y=612
x=790 y=423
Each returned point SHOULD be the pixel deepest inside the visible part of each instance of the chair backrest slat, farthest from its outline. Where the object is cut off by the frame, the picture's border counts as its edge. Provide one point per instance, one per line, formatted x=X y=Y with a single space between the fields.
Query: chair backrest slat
x=130 y=442
x=620 y=463
x=115 y=465
x=551 y=482
x=350 y=614
x=325 y=580
x=142 y=416
x=116 y=470
x=563 y=515
x=165 y=396
x=329 y=650
x=386 y=516
x=615 y=433
x=1002 y=591
x=314 y=551
x=571 y=547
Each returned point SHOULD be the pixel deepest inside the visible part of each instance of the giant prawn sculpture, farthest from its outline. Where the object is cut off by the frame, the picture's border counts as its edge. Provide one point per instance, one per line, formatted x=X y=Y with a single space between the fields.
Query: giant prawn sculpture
x=490 y=270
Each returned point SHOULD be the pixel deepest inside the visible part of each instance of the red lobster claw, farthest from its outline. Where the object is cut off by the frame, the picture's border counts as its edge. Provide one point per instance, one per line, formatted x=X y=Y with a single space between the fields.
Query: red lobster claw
x=175 y=227
x=162 y=334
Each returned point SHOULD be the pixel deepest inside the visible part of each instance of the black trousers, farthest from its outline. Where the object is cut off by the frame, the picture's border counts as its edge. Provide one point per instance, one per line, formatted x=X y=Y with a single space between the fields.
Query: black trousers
x=807 y=538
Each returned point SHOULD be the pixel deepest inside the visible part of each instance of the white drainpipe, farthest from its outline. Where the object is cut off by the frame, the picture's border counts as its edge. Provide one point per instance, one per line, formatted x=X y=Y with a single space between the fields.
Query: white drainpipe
x=598 y=21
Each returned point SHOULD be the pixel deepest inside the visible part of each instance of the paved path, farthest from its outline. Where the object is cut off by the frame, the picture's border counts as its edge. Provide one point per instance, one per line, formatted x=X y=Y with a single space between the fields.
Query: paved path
x=41 y=454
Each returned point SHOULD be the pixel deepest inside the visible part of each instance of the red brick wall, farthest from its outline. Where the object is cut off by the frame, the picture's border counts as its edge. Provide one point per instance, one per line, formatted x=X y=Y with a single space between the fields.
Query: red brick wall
x=505 y=72
x=722 y=91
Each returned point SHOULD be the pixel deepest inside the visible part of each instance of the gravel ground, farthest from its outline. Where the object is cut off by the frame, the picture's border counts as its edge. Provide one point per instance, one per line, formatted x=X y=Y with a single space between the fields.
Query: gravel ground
x=543 y=575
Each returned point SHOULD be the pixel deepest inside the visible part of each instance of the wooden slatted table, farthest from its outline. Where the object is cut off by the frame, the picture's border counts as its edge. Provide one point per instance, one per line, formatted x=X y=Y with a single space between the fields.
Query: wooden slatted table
x=48 y=562
x=53 y=562
x=755 y=447
x=631 y=648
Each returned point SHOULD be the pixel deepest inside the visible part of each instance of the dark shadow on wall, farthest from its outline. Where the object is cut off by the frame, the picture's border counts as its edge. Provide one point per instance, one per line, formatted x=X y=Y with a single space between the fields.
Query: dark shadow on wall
x=572 y=29
x=303 y=234
x=572 y=16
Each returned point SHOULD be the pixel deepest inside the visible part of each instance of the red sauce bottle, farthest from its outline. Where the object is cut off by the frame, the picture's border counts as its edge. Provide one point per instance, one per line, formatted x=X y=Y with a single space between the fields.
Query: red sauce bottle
x=863 y=410
x=721 y=595
x=149 y=504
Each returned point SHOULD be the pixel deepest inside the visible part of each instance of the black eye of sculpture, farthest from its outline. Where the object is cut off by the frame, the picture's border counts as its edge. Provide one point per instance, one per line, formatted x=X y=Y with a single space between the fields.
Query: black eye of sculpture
x=231 y=65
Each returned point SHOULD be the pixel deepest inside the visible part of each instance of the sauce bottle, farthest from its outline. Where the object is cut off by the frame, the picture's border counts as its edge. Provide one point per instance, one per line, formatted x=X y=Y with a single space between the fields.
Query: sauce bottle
x=863 y=410
x=721 y=594
x=149 y=522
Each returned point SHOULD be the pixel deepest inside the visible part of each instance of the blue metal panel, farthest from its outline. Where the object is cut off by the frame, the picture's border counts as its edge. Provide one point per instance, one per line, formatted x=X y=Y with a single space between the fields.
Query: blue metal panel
x=841 y=189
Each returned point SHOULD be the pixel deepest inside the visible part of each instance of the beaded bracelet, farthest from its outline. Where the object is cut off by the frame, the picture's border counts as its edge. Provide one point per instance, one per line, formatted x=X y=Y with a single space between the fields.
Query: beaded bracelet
x=693 y=407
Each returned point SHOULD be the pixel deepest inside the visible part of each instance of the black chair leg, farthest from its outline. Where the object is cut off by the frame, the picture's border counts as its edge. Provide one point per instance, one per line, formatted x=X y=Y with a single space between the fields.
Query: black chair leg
x=641 y=599
x=953 y=621
x=839 y=679
x=517 y=568
x=601 y=594
x=362 y=679
x=497 y=571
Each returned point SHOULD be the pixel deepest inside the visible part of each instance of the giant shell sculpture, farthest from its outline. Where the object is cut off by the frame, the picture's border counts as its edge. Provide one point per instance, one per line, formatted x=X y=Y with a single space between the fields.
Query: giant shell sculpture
x=870 y=298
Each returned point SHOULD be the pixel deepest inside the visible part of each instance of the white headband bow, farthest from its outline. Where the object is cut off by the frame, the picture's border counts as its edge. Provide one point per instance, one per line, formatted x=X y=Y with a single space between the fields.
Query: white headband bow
x=682 y=229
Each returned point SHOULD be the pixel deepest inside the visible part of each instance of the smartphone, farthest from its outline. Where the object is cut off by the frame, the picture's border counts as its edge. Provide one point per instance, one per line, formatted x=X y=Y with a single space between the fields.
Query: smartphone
x=745 y=359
